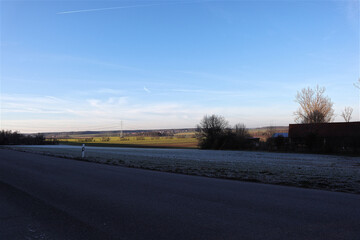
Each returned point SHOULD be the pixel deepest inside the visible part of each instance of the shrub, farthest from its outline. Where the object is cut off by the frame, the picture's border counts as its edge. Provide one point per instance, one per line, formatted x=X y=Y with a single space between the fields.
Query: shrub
x=214 y=132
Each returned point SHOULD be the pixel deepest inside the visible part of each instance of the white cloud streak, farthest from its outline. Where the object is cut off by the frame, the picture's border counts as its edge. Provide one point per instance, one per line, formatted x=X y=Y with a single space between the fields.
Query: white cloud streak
x=97 y=114
x=109 y=8
x=147 y=90
x=137 y=6
x=32 y=104
x=47 y=114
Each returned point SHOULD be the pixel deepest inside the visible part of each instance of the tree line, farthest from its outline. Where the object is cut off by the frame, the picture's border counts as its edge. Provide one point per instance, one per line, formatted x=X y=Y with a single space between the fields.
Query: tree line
x=8 y=137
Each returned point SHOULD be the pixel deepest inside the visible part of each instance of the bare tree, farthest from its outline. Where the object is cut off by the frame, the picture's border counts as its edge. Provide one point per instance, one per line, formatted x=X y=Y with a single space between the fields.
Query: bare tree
x=210 y=130
x=270 y=131
x=346 y=114
x=240 y=130
x=214 y=132
x=314 y=106
x=357 y=84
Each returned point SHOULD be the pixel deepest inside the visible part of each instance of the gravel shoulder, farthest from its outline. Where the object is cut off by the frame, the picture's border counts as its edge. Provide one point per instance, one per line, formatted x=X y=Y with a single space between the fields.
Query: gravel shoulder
x=327 y=172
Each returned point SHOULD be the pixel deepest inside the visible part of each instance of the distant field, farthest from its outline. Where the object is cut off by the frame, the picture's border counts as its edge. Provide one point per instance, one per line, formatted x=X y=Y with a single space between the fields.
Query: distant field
x=265 y=132
x=177 y=141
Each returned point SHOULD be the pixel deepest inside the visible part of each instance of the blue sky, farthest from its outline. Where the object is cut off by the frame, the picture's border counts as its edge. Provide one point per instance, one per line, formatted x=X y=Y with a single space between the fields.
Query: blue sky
x=88 y=65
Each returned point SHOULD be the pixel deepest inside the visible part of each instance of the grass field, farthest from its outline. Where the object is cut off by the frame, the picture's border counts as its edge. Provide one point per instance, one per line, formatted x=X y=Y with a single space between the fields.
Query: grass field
x=177 y=141
x=335 y=173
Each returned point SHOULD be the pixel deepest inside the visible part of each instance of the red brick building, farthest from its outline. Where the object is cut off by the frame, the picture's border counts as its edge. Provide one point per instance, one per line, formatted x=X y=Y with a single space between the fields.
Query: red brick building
x=332 y=137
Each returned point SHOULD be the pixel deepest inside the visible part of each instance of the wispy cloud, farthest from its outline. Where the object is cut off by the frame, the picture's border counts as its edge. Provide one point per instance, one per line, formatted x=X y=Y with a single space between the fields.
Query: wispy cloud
x=147 y=90
x=111 y=102
x=77 y=59
x=30 y=99
x=353 y=10
x=32 y=104
x=109 y=91
x=105 y=114
x=103 y=9
x=135 y=6
x=250 y=94
x=201 y=74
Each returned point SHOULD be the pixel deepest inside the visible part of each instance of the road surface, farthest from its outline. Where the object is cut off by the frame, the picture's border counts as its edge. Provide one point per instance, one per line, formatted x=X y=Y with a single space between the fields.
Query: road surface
x=55 y=198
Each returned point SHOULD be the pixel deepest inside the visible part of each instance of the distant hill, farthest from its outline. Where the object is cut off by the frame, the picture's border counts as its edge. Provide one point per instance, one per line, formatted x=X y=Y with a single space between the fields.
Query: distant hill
x=260 y=132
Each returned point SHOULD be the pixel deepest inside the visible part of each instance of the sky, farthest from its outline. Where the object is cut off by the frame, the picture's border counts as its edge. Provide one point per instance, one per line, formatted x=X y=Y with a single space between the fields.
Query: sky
x=90 y=65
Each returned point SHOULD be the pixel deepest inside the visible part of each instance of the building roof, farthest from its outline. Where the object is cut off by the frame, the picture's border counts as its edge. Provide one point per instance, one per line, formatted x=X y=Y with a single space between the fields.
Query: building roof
x=338 y=129
x=285 y=135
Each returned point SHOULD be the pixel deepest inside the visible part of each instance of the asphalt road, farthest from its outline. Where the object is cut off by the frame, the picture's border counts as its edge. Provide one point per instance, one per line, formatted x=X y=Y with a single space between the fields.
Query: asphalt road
x=54 y=198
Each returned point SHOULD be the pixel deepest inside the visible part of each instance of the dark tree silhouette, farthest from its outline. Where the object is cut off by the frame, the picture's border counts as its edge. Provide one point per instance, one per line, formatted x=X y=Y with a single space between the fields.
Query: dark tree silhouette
x=214 y=132
x=211 y=131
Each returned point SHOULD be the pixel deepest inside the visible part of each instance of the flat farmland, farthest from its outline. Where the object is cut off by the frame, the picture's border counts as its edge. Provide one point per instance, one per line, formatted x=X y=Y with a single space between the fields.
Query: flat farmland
x=327 y=172
x=178 y=141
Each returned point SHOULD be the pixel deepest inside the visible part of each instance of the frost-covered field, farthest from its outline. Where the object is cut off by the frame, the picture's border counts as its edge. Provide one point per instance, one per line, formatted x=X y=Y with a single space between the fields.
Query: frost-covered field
x=336 y=173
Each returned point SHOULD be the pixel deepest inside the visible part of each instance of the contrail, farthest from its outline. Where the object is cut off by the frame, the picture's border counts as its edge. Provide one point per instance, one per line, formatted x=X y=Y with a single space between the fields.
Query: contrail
x=135 y=6
x=110 y=8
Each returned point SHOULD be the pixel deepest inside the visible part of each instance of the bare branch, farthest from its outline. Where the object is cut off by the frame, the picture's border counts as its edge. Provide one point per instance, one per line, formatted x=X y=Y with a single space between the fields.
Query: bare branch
x=357 y=84
x=346 y=114
x=314 y=106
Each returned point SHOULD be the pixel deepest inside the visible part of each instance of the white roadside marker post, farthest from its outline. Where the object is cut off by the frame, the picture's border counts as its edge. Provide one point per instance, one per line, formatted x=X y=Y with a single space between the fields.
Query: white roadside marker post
x=83 y=151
